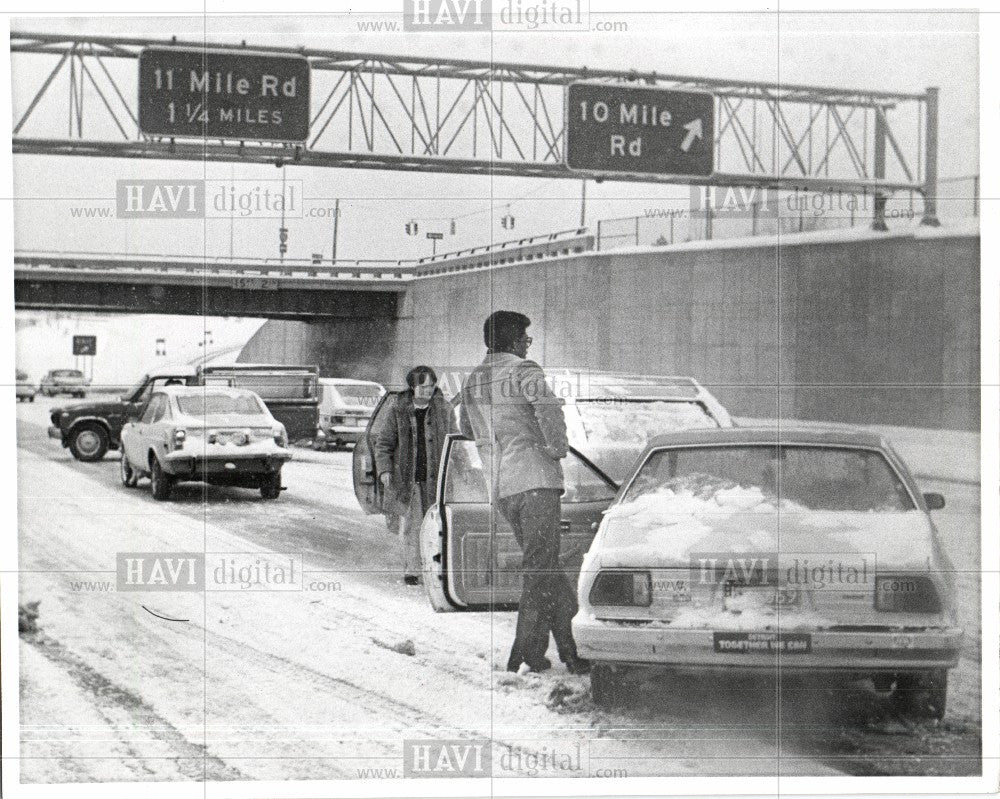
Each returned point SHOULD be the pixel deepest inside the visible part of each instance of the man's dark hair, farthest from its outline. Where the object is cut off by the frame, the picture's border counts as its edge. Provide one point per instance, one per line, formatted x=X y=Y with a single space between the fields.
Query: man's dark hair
x=503 y=328
x=421 y=376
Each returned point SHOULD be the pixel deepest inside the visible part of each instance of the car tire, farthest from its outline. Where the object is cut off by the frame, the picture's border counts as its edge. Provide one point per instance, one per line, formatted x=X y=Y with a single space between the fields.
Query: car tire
x=130 y=477
x=31 y=399
x=922 y=696
x=88 y=442
x=270 y=487
x=160 y=483
x=607 y=685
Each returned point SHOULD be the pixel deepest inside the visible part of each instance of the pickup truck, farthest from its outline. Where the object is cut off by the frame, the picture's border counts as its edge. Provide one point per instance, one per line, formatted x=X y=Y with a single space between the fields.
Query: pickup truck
x=90 y=429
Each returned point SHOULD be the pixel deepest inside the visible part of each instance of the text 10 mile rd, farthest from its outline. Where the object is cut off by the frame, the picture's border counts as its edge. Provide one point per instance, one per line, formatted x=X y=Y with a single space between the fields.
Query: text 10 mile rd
x=223 y=94
x=614 y=128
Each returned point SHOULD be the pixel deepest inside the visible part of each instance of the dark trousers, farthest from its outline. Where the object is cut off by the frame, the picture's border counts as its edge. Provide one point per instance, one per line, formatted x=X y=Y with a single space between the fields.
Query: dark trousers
x=548 y=601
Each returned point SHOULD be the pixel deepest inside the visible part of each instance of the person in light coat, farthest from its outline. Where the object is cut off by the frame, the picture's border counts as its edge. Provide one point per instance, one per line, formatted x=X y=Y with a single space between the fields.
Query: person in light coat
x=520 y=431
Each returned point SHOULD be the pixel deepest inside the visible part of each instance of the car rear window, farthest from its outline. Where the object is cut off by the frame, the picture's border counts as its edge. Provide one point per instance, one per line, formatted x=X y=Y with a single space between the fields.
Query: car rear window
x=67 y=373
x=362 y=394
x=792 y=477
x=216 y=404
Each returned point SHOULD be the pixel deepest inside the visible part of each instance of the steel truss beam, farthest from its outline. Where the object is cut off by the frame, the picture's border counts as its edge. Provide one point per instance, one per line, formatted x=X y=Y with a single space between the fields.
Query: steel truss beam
x=382 y=111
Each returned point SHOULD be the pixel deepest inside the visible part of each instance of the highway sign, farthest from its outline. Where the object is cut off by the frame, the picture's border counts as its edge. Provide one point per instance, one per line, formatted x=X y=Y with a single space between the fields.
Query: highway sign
x=223 y=94
x=630 y=130
x=85 y=345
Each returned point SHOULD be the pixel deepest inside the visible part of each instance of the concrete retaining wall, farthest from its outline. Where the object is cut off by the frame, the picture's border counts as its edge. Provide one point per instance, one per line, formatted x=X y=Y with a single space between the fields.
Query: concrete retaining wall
x=854 y=327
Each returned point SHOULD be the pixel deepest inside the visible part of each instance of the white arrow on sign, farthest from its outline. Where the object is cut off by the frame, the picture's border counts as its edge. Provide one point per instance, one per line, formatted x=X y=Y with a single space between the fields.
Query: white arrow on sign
x=694 y=131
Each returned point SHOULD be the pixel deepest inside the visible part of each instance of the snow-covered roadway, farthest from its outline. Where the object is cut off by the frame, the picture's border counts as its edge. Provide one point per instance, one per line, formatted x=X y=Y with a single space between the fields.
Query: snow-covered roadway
x=319 y=683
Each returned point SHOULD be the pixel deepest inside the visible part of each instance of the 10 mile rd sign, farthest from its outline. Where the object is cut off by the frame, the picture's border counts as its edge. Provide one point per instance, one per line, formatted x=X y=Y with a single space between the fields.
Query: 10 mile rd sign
x=631 y=130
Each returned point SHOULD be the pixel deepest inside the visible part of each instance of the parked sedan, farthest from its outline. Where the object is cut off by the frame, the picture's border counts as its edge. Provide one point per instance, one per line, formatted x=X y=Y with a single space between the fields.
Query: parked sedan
x=345 y=408
x=64 y=381
x=471 y=564
x=213 y=435
x=24 y=388
x=811 y=548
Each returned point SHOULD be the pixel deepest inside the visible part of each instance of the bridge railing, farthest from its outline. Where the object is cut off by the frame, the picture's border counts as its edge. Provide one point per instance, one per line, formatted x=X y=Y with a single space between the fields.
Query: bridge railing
x=549 y=245
x=342 y=269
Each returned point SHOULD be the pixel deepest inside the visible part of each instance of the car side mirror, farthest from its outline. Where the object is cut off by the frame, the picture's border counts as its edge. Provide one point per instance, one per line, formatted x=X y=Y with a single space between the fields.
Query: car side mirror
x=934 y=500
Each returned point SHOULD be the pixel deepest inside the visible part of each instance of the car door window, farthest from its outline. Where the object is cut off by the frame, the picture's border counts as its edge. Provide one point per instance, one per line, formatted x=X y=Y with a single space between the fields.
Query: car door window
x=464 y=479
x=582 y=483
x=149 y=415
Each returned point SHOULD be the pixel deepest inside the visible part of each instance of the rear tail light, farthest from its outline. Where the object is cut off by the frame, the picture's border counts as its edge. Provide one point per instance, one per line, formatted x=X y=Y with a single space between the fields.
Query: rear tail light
x=280 y=437
x=622 y=588
x=906 y=593
x=339 y=420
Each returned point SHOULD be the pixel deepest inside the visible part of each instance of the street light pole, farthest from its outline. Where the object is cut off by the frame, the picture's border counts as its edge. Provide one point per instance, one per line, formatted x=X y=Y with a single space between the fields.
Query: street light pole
x=336 y=219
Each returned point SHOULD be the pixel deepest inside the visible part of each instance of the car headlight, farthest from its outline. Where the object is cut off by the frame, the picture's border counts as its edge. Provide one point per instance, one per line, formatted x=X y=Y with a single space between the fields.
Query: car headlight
x=906 y=593
x=179 y=437
x=622 y=588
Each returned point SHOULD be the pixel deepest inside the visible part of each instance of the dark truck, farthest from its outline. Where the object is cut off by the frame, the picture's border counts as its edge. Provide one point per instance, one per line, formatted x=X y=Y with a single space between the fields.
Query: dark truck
x=291 y=394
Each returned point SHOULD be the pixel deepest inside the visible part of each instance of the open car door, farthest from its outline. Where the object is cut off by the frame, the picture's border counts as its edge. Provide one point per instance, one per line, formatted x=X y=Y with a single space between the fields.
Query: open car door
x=367 y=487
x=471 y=559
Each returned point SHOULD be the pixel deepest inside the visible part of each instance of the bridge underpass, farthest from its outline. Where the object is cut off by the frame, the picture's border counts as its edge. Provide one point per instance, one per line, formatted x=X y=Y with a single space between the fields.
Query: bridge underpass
x=157 y=284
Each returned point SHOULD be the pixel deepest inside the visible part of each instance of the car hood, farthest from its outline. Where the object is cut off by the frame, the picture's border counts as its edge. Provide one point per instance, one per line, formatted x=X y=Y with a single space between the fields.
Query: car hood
x=90 y=408
x=656 y=534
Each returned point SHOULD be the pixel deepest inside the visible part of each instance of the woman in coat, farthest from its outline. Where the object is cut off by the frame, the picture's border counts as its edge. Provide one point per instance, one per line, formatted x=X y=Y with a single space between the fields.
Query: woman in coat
x=408 y=444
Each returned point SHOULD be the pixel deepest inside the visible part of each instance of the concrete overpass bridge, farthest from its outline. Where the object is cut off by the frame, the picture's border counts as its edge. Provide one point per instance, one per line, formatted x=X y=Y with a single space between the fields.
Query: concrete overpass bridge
x=289 y=288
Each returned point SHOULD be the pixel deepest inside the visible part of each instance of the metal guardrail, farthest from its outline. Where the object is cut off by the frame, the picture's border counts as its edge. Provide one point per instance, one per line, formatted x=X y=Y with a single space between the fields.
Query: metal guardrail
x=530 y=248
x=217 y=265
x=549 y=245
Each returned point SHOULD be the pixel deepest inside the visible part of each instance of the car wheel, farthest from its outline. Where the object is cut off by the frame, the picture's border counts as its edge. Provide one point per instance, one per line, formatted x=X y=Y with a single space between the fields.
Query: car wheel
x=130 y=478
x=31 y=399
x=160 y=482
x=270 y=488
x=88 y=442
x=607 y=685
x=922 y=696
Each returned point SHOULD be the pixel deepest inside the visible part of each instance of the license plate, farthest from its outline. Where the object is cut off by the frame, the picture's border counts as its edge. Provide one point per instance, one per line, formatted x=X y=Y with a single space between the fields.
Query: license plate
x=768 y=595
x=765 y=643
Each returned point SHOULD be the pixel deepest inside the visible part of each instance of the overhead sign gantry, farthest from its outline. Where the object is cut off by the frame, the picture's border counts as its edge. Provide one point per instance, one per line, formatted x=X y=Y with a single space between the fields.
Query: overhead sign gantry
x=436 y=114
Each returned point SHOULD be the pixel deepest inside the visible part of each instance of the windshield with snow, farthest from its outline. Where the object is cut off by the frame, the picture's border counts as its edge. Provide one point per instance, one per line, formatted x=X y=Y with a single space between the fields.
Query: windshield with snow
x=216 y=404
x=799 y=477
x=615 y=433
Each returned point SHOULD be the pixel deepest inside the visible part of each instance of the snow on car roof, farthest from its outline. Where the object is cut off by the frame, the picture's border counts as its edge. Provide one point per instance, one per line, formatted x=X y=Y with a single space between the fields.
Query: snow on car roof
x=798 y=434
x=583 y=384
x=198 y=391
x=180 y=370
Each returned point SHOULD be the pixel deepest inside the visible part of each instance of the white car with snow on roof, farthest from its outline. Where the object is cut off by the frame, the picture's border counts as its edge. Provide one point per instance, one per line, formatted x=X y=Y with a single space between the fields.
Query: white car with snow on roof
x=220 y=436
x=805 y=549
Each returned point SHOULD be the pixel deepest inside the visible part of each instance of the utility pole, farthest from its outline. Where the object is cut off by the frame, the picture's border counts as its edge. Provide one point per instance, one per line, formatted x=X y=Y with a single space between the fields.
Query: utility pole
x=583 y=203
x=336 y=219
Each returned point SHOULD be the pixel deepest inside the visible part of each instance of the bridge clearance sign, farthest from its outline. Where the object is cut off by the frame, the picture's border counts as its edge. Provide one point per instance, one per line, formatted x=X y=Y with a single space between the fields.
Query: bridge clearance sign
x=628 y=130
x=223 y=94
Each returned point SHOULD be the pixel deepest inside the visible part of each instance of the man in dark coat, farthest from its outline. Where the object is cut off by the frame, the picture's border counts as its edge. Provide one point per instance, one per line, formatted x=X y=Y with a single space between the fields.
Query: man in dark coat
x=408 y=442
